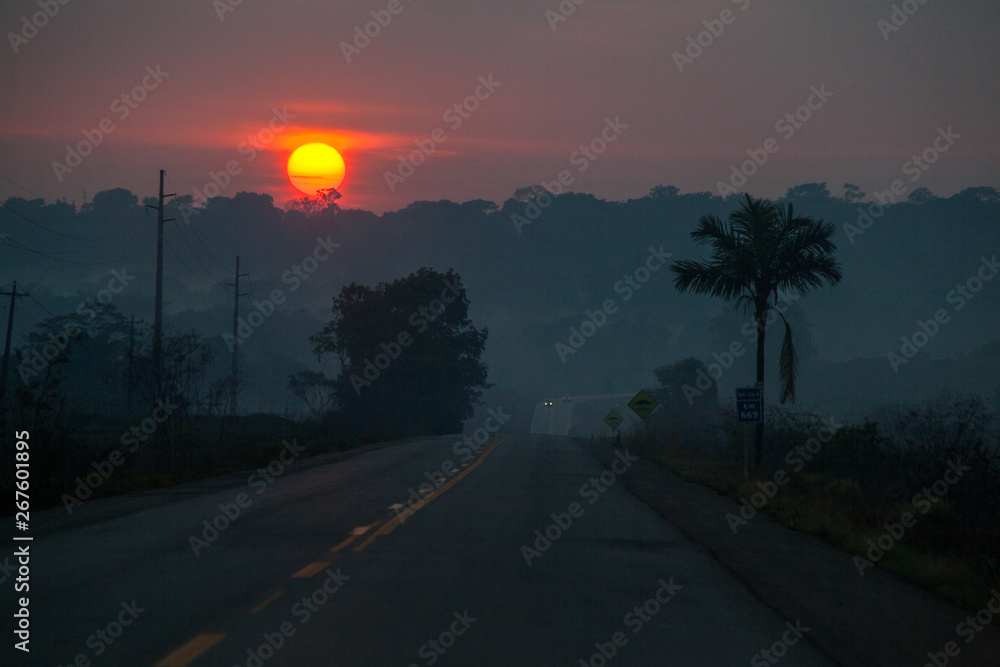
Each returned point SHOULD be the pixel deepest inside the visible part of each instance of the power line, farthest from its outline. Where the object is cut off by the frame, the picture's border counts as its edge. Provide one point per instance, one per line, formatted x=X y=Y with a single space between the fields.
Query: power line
x=234 y=376
x=20 y=246
x=190 y=270
x=52 y=231
x=21 y=187
x=200 y=240
x=33 y=318
x=180 y=261
x=263 y=330
x=39 y=303
x=193 y=254
x=197 y=235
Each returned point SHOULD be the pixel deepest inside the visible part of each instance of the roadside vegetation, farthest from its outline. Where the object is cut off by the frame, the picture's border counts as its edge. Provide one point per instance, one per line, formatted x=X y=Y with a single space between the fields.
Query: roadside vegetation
x=88 y=460
x=406 y=362
x=857 y=485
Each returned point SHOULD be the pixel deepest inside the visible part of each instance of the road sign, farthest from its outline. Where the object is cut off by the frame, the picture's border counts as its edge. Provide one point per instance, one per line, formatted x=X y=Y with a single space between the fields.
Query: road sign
x=642 y=404
x=749 y=406
x=613 y=420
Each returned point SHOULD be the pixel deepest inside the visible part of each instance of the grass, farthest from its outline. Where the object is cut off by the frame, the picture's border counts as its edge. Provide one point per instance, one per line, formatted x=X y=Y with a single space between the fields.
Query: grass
x=837 y=510
x=198 y=453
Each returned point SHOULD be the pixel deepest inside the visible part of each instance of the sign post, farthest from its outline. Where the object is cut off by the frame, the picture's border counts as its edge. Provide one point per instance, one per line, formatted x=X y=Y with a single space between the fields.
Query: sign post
x=749 y=410
x=746 y=453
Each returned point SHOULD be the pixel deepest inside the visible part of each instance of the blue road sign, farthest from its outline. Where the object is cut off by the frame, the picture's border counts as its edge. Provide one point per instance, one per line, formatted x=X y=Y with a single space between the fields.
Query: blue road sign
x=749 y=406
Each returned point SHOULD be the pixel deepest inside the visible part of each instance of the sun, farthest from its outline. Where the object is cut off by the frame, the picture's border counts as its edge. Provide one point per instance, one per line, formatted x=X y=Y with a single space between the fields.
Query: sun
x=315 y=166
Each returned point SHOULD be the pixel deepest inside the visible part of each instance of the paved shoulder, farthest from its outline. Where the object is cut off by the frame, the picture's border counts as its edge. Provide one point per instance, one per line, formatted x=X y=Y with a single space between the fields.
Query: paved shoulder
x=863 y=620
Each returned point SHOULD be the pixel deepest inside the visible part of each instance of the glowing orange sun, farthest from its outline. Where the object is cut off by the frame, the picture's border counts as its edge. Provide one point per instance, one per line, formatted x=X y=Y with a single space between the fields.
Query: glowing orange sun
x=315 y=166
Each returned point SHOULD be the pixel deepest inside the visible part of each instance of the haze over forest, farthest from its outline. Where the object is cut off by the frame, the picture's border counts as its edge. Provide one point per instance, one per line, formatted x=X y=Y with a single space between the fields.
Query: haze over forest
x=532 y=274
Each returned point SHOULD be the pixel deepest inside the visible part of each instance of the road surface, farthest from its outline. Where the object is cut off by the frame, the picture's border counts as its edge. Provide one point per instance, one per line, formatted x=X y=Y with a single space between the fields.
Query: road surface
x=325 y=564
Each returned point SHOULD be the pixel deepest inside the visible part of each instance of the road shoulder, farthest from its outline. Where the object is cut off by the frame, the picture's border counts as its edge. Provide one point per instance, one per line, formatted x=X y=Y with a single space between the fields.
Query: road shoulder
x=867 y=620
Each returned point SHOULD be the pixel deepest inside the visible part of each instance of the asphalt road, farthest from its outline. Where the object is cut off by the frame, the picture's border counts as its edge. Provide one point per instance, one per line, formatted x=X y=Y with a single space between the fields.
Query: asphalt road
x=322 y=566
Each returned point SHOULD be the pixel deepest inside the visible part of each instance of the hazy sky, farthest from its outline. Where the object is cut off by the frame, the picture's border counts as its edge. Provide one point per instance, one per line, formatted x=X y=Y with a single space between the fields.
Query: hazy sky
x=609 y=59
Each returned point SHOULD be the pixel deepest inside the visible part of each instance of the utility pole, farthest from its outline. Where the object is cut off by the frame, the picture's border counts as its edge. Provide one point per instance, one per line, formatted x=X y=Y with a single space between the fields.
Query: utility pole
x=6 y=347
x=233 y=380
x=131 y=348
x=158 y=307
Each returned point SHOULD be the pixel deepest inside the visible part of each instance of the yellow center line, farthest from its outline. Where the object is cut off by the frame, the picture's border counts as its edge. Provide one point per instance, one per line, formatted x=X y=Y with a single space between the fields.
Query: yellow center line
x=355 y=534
x=266 y=601
x=190 y=651
x=186 y=654
x=361 y=530
x=386 y=528
x=391 y=525
x=310 y=570
x=347 y=540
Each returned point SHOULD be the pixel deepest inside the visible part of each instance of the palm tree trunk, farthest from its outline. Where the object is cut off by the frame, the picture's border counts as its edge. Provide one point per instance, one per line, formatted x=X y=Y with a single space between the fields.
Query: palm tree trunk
x=758 y=444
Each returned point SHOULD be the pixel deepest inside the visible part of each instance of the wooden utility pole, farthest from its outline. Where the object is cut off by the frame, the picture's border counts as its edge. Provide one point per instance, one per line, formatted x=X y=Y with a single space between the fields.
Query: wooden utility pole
x=158 y=307
x=131 y=348
x=234 y=377
x=6 y=347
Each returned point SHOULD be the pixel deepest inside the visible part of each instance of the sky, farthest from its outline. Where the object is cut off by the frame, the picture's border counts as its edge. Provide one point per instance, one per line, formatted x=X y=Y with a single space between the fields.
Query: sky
x=242 y=85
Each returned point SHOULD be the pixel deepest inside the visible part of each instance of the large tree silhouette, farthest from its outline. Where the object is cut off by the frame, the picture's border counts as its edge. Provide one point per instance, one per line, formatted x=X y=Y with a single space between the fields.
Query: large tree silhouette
x=408 y=353
x=762 y=249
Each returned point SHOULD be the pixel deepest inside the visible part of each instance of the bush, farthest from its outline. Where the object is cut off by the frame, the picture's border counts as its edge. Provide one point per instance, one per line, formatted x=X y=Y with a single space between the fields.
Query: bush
x=951 y=429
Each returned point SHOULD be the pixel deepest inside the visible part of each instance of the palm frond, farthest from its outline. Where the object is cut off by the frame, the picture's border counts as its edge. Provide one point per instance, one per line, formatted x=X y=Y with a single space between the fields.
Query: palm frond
x=713 y=278
x=711 y=228
x=788 y=365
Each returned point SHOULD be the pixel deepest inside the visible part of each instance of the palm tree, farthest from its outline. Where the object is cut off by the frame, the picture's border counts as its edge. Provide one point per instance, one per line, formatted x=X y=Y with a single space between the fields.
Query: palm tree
x=763 y=248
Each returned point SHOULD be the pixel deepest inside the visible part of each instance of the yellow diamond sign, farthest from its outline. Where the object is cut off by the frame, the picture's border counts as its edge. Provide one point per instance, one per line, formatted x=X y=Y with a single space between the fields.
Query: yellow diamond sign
x=642 y=404
x=613 y=420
